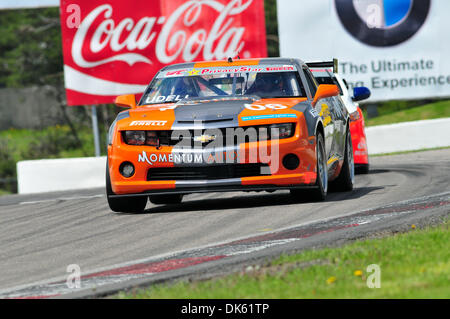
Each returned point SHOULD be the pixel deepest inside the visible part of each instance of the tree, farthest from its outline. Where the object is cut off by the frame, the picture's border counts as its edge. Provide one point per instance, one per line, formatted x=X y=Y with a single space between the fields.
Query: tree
x=270 y=8
x=30 y=48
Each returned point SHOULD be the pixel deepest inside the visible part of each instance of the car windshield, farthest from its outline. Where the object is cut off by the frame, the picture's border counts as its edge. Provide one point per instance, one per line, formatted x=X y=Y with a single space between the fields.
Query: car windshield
x=263 y=81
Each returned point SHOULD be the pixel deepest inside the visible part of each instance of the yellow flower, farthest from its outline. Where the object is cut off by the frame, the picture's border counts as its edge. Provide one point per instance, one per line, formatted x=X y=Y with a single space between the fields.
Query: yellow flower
x=331 y=280
x=413 y=226
x=357 y=273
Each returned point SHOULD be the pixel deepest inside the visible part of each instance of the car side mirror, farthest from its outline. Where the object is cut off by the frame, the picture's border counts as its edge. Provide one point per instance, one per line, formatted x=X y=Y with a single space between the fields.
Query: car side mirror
x=324 y=91
x=360 y=93
x=128 y=100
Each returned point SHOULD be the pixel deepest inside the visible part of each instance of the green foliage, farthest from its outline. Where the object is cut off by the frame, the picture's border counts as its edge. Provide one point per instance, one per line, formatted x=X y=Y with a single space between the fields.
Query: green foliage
x=7 y=168
x=402 y=111
x=51 y=143
x=270 y=8
x=395 y=106
x=30 y=47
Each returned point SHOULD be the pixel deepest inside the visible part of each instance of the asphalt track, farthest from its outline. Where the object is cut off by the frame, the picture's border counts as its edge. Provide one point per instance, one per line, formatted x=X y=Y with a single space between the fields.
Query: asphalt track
x=40 y=235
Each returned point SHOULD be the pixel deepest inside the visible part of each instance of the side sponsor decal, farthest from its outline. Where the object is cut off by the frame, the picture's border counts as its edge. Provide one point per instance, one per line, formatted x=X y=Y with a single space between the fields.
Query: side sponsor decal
x=257 y=107
x=325 y=114
x=268 y=116
x=313 y=112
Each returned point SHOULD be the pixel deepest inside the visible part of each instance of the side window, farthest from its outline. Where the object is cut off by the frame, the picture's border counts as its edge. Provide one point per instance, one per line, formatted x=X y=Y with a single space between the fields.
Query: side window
x=335 y=82
x=311 y=82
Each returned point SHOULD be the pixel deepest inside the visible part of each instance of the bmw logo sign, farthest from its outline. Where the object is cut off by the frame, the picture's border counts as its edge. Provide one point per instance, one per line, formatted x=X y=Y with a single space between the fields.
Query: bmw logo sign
x=382 y=23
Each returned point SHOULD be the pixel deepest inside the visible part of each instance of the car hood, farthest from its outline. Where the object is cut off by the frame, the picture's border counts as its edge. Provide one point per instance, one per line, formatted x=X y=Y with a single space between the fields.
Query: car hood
x=212 y=113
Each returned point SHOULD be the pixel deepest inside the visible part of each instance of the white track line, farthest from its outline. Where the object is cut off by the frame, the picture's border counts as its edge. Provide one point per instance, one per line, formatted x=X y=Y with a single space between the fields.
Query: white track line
x=60 y=199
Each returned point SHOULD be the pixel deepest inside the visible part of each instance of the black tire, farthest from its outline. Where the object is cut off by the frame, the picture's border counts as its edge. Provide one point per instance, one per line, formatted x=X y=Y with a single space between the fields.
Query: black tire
x=362 y=168
x=132 y=204
x=344 y=182
x=319 y=192
x=166 y=199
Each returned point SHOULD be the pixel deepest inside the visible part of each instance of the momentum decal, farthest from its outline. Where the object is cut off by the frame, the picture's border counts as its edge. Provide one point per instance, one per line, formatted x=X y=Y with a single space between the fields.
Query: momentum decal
x=231 y=156
x=170 y=158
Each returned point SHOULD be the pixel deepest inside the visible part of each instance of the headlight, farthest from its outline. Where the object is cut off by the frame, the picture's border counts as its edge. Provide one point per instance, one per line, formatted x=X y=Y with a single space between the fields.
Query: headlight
x=280 y=131
x=120 y=116
x=152 y=139
x=149 y=138
x=135 y=137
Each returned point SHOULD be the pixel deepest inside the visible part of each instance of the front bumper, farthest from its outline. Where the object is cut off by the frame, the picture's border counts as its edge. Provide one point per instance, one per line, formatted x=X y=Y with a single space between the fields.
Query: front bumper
x=276 y=175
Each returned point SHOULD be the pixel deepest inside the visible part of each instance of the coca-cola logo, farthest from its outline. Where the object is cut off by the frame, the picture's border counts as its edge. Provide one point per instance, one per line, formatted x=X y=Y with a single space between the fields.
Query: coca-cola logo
x=140 y=34
x=152 y=34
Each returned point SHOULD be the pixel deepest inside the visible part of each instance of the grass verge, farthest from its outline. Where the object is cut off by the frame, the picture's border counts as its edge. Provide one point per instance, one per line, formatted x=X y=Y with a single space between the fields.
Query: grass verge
x=415 y=264
x=434 y=110
x=414 y=151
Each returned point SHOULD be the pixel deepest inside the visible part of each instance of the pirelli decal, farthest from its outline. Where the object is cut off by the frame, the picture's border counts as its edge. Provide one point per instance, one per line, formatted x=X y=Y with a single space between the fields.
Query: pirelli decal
x=148 y=123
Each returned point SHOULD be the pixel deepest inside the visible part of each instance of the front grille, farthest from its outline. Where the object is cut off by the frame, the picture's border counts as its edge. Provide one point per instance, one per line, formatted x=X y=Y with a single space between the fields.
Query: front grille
x=221 y=171
x=185 y=138
x=219 y=137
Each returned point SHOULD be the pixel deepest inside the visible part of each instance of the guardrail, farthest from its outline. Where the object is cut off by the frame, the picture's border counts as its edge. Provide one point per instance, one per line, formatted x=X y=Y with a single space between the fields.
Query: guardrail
x=88 y=172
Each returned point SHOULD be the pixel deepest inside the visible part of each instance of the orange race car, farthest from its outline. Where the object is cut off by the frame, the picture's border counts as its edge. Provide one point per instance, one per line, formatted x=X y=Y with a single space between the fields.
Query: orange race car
x=244 y=125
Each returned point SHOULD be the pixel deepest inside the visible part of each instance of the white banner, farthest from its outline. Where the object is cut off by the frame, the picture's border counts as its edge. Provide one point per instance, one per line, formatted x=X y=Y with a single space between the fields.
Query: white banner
x=399 y=49
x=24 y=4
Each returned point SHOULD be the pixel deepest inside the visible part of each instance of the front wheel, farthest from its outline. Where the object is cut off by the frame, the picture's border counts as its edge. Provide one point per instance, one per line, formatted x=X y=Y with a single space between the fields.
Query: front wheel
x=132 y=204
x=319 y=192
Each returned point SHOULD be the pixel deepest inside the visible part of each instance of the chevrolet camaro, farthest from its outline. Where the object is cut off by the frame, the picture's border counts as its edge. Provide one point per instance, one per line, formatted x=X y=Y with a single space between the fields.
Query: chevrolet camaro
x=234 y=125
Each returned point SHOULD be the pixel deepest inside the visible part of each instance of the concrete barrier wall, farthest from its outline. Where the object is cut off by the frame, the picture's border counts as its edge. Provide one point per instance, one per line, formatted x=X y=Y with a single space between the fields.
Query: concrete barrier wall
x=78 y=173
x=50 y=175
x=408 y=136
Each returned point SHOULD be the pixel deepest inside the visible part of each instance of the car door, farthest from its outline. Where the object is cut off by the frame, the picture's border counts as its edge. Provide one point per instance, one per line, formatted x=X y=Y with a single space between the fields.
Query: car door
x=339 y=127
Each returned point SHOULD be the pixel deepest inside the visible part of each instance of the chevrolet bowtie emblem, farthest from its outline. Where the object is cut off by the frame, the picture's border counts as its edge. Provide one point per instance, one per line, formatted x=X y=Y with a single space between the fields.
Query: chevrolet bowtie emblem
x=204 y=138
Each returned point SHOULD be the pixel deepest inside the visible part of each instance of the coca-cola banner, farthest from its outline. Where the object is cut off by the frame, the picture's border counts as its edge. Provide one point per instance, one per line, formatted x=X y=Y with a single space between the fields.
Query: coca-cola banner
x=115 y=47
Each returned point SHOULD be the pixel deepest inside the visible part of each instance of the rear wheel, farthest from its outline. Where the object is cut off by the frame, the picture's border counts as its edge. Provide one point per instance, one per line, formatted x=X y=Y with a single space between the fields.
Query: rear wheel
x=166 y=199
x=132 y=204
x=344 y=182
x=319 y=192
